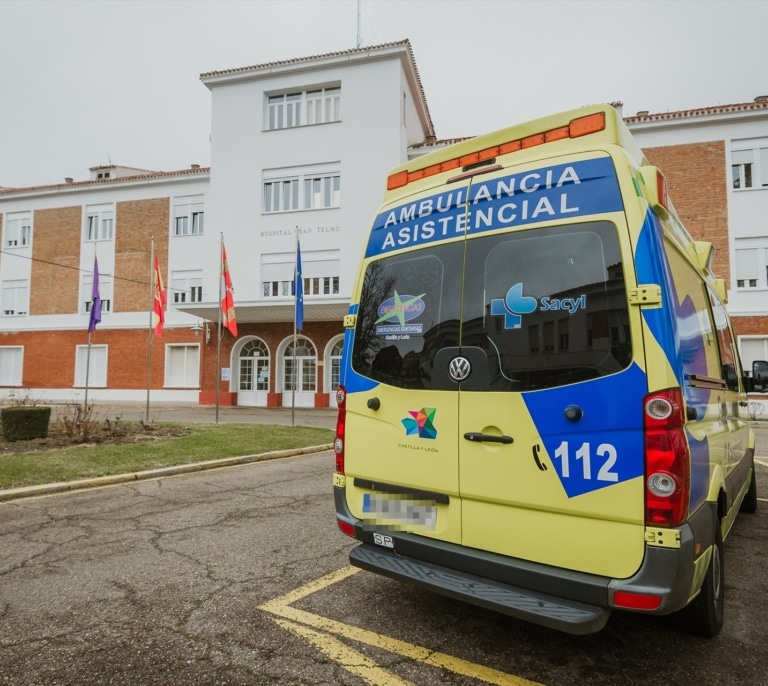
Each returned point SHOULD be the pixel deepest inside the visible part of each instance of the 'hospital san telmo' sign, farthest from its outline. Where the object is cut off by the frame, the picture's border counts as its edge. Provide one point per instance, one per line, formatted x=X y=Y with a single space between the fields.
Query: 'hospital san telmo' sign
x=306 y=231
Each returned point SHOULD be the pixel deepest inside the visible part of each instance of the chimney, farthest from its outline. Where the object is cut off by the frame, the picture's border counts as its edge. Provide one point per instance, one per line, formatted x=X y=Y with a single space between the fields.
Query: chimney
x=761 y=98
x=195 y=166
x=642 y=113
x=68 y=179
x=619 y=107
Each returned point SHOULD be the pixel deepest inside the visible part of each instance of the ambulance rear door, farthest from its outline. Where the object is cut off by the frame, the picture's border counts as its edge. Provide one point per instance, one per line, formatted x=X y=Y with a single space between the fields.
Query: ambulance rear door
x=550 y=401
x=401 y=446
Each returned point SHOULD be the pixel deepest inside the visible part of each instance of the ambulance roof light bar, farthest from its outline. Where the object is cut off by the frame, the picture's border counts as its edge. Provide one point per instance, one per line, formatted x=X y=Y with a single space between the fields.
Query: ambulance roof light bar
x=581 y=126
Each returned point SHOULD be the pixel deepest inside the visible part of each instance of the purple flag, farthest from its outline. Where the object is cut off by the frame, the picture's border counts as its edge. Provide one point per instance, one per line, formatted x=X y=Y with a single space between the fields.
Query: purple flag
x=96 y=300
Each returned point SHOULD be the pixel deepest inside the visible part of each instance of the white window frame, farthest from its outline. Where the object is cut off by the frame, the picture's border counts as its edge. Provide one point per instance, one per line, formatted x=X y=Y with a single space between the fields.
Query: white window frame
x=307 y=107
x=15 y=298
x=182 y=366
x=749 y=164
x=99 y=223
x=321 y=270
x=188 y=215
x=11 y=365
x=281 y=195
x=284 y=110
x=321 y=285
x=750 y=263
x=105 y=293
x=299 y=189
x=96 y=366
x=18 y=230
x=186 y=287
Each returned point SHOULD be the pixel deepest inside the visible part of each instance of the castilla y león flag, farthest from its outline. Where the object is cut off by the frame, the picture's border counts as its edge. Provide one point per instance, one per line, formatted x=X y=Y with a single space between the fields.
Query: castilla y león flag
x=158 y=302
x=228 y=301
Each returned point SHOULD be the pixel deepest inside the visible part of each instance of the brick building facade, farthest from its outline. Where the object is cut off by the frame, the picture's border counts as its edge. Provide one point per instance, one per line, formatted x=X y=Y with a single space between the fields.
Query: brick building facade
x=306 y=161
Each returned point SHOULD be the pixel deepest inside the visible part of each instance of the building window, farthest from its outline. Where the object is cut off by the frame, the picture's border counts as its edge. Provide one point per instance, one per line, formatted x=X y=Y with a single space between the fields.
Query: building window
x=753 y=349
x=321 y=285
x=15 y=296
x=281 y=196
x=308 y=188
x=188 y=215
x=182 y=366
x=99 y=223
x=751 y=261
x=322 y=191
x=320 y=269
x=105 y=292
x=18 y=231
x=303 y=108
x=274 y=289
x=187 y=286
x=96 y=366
x=749 y=164
x=11 y=365
x=285 y=110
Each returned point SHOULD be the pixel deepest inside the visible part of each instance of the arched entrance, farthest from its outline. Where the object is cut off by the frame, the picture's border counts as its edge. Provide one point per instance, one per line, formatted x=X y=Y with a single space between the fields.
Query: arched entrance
x=333 y=368
x=253 y=374
x=299 y=374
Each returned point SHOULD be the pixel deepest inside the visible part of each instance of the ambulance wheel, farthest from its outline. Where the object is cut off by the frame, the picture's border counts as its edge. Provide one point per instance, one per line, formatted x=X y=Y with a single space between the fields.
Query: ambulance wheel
x=749 y=504
x=704 y=616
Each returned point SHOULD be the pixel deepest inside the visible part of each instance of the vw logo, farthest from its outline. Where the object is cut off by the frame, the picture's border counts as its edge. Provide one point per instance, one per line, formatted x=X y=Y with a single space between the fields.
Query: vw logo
x=459 y=368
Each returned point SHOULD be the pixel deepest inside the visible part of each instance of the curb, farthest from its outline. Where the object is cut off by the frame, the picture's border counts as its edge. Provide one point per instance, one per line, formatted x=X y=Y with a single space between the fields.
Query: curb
x=95 y=482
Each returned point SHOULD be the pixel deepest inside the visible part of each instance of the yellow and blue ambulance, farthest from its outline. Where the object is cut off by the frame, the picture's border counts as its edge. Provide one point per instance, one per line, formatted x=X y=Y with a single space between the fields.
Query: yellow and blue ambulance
x=542 y=409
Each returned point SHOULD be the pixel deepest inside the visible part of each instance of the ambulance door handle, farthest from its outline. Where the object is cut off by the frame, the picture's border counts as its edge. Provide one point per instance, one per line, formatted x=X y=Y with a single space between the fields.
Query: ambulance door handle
x=488 y=438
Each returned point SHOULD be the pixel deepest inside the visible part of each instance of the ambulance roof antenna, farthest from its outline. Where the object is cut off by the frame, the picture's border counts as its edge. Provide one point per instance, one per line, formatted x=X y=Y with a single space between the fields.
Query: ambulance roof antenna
x=359 y=38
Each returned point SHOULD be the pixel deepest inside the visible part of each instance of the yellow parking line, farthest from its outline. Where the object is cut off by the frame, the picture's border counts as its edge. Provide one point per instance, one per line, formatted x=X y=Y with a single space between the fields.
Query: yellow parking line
x=353 y=661
x=281 y=607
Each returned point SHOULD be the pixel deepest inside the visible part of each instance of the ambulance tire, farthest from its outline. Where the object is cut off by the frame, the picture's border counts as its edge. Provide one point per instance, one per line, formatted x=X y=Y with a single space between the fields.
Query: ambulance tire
x=749 y=504
x=704 y=616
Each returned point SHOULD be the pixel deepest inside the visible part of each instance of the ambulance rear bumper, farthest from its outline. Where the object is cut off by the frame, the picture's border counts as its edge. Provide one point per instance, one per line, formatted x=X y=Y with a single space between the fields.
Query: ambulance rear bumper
x=556 y=613
x=566 y=600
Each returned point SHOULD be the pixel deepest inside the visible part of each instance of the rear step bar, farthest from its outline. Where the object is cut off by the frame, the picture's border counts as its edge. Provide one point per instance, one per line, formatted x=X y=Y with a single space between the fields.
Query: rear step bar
x=568 y=616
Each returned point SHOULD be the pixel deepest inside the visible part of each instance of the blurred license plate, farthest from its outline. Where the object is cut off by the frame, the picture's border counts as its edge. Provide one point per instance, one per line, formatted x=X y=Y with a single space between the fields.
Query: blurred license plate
x=400 y=510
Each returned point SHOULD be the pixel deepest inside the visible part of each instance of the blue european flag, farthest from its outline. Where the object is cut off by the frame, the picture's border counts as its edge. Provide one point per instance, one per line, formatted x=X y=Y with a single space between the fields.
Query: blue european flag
x=298 y=289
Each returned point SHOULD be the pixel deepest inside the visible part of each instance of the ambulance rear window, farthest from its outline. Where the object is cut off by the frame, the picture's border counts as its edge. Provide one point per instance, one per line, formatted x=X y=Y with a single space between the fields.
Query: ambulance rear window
x=541 y=308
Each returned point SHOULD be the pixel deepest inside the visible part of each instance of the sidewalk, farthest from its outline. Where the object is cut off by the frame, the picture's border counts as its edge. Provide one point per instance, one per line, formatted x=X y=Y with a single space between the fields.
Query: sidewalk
x=324 y=418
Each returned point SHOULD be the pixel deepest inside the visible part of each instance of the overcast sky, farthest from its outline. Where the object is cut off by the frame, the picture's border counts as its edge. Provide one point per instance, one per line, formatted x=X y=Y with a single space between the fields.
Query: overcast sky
x=105 y=81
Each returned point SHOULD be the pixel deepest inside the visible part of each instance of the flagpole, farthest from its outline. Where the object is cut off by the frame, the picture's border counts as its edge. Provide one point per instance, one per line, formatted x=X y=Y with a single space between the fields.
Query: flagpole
x=88 y=353
x=151 y=310
x=296 y=277
x=87 y=370
x=218 y=326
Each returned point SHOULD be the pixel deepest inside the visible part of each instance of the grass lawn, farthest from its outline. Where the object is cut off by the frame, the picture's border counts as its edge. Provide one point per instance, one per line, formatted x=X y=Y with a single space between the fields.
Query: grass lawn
x=200 y=442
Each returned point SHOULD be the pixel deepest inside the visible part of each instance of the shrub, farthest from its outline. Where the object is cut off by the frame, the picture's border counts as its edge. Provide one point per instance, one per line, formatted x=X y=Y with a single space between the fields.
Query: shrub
x=24 y=422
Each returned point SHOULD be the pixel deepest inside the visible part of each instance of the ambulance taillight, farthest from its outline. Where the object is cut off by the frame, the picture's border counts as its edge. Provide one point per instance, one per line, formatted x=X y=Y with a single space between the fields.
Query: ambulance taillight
x=341 y=420
x=667 y=459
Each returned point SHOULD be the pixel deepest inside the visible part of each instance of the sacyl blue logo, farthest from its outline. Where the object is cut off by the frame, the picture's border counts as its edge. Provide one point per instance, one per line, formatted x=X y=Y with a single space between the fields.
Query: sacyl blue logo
x=514 y=304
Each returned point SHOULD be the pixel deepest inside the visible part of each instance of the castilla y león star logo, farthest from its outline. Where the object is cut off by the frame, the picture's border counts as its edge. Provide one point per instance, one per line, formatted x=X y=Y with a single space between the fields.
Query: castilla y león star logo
x=421 y=423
